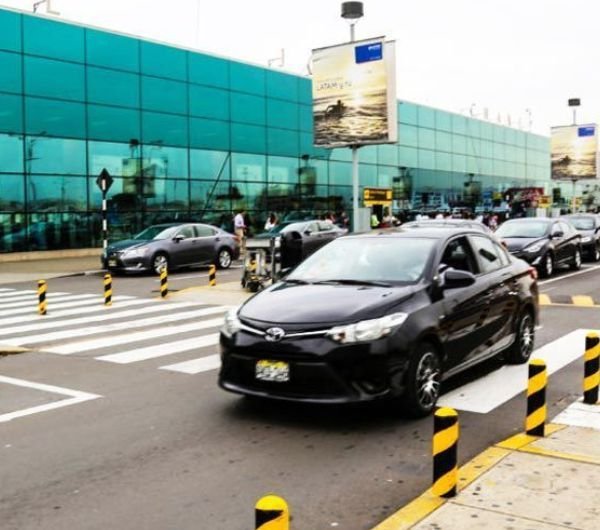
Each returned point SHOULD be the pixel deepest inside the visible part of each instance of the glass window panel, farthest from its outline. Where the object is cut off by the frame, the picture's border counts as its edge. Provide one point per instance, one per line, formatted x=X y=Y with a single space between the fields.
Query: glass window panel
x=165 y=129
x=459 y=163
x=209 y=102
x=426 y=117
x=426 y=159
x=249 y=138
x=340 y=198
x=55 y=156
x=163 y=95
x=163 y=61
x=249 y=196
x=427 y=138
x=510 y=136
x=499 y=133
x=459 y=144
x=519 y=137
x=304 y=90
x=499 y=151
x=408 y=135
x=55 y=79
x=55 y=230
x=117 y=159
x=472 y=165
x=407 y=113
x=473 y=146
x=10 y=31
x=11 y=113
x=367 y=176
x=459 y=124
x=486 y=166
x=282 y=86
x=113 y=51
x=473 y=128
x=487 y=131
x=211 y=134
x=10 y=72
x=12 y=193
x=307 y=148
x=408 y=156
x=366 y=154
x=340 y=173
x=443 y=141
x=212 y=195
x=113 y=88
x=248 y=167
x=165 y=162
x=500 y=168
x=168 y=195
x=113 y=124
x=11 y=154
x=341 y=153
x=209 y=165
x=53 y=39
x=387 y=154
x=306 y=118
x=510 y=153
x=282 y=114
x=56 y=118
x=487 y=148
x=313 y=172
x=443 y=121
x=385 y=176
x=207 y=70
x=247 y=78
x=443 y=161
x=56 y=193
x=283 y=169
x=248 y=109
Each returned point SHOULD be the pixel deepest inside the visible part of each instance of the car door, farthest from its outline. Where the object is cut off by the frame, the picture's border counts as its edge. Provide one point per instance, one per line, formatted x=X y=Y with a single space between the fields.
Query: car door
x=182 y=248
x=327 y=232
x=206 y=241
x=559 y=242
x=464 y=308
x=572 y=239
x=311 y=238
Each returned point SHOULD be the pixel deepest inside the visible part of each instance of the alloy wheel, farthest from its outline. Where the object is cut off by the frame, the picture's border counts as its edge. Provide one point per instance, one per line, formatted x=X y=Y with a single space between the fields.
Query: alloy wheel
x=549 y=265
x=428 y=380
x=526 y=336
x=596 y=253
x=159 y=262
x=224 y=259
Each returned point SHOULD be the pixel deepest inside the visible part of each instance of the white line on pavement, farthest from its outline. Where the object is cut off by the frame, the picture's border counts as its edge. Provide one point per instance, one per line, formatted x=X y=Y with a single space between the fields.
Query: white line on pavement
x=75 y=396
x=54 y=305
x=14 y=293
x=580 y=415
x=570 y=275
x=33 y=300
x=195 y=366
x=24 y=297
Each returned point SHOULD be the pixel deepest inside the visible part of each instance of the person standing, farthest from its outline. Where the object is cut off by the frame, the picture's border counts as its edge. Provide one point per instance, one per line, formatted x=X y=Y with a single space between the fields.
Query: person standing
x=271 y=222
x=240 y=229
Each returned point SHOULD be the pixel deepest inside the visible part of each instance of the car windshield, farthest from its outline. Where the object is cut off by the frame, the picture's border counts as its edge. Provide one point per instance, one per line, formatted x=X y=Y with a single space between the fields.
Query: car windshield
x=522 y=229
x=285 y=227
x=373 y=259
x=156 y=232
x=582 y=223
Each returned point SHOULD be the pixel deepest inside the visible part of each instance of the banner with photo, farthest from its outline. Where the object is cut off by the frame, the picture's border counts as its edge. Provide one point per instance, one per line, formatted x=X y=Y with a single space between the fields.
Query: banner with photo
x=354 y=94
x=574 y=150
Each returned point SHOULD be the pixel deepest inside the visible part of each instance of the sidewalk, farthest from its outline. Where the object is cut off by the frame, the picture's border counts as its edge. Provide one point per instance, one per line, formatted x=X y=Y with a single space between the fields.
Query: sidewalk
x=44 y=269
x=523 y=483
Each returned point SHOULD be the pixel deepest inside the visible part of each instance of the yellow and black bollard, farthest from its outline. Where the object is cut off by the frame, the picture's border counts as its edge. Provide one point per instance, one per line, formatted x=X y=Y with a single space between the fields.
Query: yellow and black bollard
x=536 y=398
x=42 y=304
x=445 y=448
x=272 y=513
x=107 y=289
x=212 y=276
x=591 y=377
x=164 y=286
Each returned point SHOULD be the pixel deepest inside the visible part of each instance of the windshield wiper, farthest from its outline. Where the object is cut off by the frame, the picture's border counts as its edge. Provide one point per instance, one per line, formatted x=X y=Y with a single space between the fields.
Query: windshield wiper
x=375 y=283
x=298 y=281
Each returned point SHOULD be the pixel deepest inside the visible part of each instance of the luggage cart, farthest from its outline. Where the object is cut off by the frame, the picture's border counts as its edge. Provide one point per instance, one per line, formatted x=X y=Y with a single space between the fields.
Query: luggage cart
x=260 y=263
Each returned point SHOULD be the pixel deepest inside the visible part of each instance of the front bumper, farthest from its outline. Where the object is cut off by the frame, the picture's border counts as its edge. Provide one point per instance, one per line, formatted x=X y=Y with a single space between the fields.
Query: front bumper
x=121 y=262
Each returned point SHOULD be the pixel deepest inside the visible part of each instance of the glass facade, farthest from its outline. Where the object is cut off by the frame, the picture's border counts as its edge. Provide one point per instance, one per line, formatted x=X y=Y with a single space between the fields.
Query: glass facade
x=192 y=136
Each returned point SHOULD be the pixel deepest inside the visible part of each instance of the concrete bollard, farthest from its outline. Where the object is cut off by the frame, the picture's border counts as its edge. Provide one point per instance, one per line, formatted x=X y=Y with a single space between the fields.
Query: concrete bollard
x=42 y=304
x=272 y=513
x=591 y=376
x=212 y=276
x=164 y=285
x=445 y=449
x=107 y=289
x=536 y=398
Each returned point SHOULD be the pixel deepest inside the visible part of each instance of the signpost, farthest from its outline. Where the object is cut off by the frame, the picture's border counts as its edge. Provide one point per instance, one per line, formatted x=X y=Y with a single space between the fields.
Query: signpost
x=104 y=182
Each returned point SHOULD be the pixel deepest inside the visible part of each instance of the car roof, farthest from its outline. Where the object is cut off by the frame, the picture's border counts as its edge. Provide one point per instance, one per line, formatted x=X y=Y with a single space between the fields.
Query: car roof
x=437 y=232
x=533 y=219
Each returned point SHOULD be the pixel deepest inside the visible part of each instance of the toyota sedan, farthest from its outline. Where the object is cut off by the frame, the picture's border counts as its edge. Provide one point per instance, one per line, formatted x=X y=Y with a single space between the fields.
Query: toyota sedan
x=385 y=314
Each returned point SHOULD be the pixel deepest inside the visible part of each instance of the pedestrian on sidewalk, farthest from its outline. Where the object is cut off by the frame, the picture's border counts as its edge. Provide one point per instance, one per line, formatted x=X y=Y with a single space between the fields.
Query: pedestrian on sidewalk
x=240 y=229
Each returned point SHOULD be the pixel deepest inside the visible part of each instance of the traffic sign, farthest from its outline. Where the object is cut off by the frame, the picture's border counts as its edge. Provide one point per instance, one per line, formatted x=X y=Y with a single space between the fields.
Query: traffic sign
x=104 y=180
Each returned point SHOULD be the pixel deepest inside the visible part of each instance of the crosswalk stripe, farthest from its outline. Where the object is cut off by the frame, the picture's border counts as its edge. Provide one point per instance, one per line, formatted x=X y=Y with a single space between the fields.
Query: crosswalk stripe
x=25 y=297
x=5 y=289
x=46 y=322
x=93 y=300
x=160 y=350
x=195 y=366
x=108 y=328
x=96 y=344
x=33 y=301
x=8 y=294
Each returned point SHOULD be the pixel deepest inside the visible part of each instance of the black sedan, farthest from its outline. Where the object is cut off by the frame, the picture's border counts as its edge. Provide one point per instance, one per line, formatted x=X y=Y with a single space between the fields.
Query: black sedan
x=385 y=314
x=545 y=243
x=172 y=245
x=588 y=226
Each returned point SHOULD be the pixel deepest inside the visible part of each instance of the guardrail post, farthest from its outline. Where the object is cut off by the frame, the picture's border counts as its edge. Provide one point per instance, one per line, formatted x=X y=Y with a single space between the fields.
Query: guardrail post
x=272 y=513
x=591 y=376
x=107 y=289
x=42 y=304
x=445 y=448
x=164 y=285
x=212 y=276
x=536 y=398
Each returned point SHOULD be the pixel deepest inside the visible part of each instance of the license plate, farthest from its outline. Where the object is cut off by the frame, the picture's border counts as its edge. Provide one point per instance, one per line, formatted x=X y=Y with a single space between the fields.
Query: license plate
x=277 y=371
x=112 y=262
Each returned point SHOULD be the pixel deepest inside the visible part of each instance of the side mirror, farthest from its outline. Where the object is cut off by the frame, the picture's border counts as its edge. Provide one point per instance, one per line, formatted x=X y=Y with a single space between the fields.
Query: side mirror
x=557 y=235
x=454 y=279
x=307 y=232
x=178 y=238
x=284 y=272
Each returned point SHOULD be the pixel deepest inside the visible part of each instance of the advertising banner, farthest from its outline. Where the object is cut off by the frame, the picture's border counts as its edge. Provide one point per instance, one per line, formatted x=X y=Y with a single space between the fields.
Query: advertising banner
x=574 y=151
x=354 y=94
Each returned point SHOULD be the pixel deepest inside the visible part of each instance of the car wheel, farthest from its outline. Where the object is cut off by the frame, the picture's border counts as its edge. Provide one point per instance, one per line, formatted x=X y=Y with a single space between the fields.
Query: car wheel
x=422 y=382
x=547 y=266
x=576 y=264
x=596 y=253
x=159 y=261
x=521 y=349
x=224 y=258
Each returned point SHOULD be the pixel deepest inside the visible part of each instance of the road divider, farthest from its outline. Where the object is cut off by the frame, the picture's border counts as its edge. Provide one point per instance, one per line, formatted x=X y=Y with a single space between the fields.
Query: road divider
x=272 y=513
x=164 y=284
x=445 y=447
x=591 y=376
x=212 y=276
x=107 y=289
x=42 y=304
x=536 y=398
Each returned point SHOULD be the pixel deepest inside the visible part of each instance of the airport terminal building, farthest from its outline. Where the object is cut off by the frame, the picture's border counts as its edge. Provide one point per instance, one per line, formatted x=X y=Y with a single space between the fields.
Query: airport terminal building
x=191 y=136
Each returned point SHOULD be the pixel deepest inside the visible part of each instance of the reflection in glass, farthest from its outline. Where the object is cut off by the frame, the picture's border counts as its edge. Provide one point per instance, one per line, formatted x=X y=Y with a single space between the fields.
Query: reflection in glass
x=11 y=153
x=12 y=193
x=56 y=193
x=55 y=155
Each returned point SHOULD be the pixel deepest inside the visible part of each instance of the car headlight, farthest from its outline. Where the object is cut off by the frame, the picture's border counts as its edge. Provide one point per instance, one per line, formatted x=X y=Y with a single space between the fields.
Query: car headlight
x=586 y=239
x=536 y=247
x=136 y=252
x=232 y=323
x=367 y=330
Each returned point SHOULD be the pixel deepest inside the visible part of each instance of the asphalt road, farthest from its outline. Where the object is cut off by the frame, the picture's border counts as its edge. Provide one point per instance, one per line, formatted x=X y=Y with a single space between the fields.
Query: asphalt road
x=168 y=450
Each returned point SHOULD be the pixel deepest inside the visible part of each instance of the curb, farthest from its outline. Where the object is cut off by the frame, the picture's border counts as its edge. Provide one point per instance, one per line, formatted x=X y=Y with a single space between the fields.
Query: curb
x=11 y=350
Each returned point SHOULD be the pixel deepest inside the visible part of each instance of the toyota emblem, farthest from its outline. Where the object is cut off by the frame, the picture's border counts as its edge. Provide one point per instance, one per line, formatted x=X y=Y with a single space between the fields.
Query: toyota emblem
x=274 y=334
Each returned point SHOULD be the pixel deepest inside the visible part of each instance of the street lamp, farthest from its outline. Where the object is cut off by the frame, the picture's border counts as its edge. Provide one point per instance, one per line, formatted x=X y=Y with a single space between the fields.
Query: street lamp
x=351 y=12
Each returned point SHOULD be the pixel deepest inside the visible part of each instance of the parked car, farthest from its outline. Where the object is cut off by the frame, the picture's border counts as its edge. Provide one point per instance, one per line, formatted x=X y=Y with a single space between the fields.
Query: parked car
x=545 y=243
x=449 y=223
x=385 y=314
x=173 y=245
x=588 y=226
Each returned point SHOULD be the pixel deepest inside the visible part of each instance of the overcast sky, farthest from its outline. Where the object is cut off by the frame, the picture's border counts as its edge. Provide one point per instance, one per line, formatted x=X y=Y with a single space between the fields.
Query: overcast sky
x=503 y=55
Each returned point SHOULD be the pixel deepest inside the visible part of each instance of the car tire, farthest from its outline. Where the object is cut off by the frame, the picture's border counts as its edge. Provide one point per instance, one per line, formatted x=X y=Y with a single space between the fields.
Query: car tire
x=546 y=267
x=596 y=253
x=159 y=261
x=521 y=349
x=576 y=264
x=422 y=381
x=224 y=258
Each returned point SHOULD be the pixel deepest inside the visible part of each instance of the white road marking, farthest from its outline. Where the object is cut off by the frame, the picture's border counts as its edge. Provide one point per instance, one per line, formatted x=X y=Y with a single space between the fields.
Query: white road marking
x=160 y=350
x=14 y=292
x=580 y=415
x=104 y=342
x=24 y=297
x=5 y=289
x=570 y=275
x=56 y=305
x=496 y=388
x=75 y=397
x=32 y=301
x=195 y=366
x=173 y=278
x=108 y=328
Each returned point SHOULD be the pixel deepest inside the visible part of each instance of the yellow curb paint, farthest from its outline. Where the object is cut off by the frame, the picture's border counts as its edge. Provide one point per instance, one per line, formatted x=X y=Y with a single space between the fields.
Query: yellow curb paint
x=544 y=299
x=476 y=467
x=582 y=300
x=532 y=449
x=571 y=306
x=200 y=288
x=521 y=440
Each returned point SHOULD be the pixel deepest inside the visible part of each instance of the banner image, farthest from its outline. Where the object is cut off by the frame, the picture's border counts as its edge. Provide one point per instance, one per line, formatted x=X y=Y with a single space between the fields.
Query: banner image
x=354 y=94
x=574 y=151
